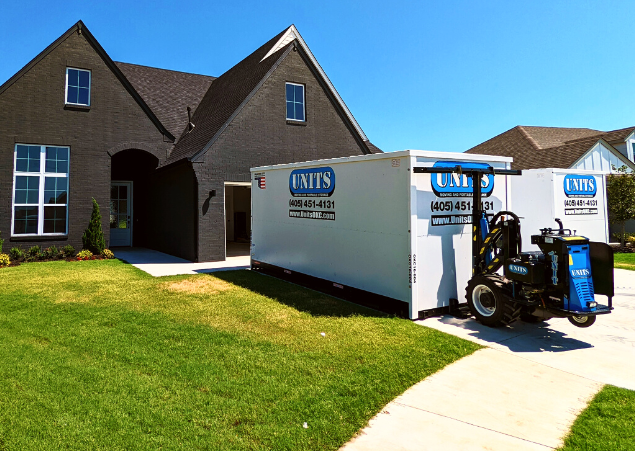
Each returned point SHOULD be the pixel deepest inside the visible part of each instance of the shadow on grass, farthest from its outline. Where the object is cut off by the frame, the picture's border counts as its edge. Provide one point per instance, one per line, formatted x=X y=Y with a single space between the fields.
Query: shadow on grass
x=296 y=296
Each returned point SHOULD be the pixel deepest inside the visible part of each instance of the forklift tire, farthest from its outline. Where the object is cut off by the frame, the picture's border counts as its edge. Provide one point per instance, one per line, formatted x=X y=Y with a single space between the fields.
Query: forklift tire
x=581 y=321
x=489 y=302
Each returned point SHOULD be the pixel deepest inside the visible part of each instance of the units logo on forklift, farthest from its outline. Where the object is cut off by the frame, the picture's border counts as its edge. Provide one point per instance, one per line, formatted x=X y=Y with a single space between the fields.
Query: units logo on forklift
x=518 y=269
x=580 y=186
x=455 y=185
x=312 y=182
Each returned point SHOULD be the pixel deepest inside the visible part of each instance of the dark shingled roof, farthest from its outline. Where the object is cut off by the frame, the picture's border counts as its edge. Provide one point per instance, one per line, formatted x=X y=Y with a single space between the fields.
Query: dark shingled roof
x=168 y=93
x=546 y=147
x=223 y=98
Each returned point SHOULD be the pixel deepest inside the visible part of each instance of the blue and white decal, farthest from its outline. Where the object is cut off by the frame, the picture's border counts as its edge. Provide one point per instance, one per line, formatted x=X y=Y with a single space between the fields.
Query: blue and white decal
x=517 y=269
x=312 y=182
x=580 y=186
x=455 y=185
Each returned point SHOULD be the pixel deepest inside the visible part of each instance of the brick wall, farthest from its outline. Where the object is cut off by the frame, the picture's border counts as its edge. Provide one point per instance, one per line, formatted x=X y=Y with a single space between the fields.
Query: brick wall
x=32 y=112
x=260 y=135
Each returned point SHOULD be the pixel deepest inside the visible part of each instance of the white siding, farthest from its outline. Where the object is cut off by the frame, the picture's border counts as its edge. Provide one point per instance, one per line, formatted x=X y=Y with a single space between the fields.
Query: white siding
x=599 y=158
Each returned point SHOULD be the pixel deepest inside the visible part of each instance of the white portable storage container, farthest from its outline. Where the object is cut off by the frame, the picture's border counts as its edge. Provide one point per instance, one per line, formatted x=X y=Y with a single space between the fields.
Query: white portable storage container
x=577 y=197
x=370 y=229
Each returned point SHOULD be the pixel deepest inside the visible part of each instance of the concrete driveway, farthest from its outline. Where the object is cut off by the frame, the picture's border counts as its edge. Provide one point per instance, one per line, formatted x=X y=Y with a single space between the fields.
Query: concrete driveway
x=523 y=392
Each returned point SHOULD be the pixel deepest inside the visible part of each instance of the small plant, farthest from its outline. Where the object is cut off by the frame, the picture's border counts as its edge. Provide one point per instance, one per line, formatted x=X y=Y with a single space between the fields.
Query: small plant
x=84 y=254
x=16 y=253
x=68 y=251
x=54 y=252
x=93 y=238
x=33 y=253
x=4 y=260
x=1 y=243
x=107 y=253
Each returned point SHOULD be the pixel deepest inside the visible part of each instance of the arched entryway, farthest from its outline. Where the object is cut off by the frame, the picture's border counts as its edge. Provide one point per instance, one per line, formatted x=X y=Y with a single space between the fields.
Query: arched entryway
x=131 y=202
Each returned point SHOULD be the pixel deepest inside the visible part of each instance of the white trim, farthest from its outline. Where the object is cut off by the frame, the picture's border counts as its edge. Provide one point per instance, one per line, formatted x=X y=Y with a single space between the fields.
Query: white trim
x=611 y=149
x=90 y=87
x=42 y=175
x=248 y=184
x=292 y=34
x=303 y=100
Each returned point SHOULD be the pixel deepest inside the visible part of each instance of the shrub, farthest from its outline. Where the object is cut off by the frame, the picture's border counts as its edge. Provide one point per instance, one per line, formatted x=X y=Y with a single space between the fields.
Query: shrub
x=16 y=253
x=84 y=254
x=4 y=260
x=68 y=251
x=107 y=253
x=33 y=253
x=1 y=243
x=54 y=252
x=93 y=238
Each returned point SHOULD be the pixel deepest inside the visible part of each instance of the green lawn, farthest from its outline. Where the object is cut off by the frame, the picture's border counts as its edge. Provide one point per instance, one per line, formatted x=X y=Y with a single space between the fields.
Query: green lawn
x=607 y=424
x=625 y=261
x=98 y=355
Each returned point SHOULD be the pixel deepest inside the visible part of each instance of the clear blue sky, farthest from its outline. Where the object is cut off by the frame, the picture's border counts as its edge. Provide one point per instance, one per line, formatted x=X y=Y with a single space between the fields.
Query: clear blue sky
x=434 y=75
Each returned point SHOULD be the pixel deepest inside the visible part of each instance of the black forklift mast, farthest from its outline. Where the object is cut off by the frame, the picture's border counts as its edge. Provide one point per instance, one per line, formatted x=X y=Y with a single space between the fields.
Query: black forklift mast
x=476 y=174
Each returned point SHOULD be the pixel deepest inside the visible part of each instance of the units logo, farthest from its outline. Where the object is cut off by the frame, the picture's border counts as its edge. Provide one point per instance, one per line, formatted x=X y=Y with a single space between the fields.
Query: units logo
x=455 y=185
x=580 y=186
x=312 y=182
x=518 y=269
x=580 y=272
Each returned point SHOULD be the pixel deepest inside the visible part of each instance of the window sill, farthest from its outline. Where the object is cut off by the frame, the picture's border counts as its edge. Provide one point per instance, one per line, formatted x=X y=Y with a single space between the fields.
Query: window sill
x=300 y=123
x=39 y=238
x=70 y=106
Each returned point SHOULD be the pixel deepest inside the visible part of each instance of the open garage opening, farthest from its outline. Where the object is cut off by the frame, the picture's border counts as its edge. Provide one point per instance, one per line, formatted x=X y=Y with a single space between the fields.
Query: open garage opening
x=237 y=218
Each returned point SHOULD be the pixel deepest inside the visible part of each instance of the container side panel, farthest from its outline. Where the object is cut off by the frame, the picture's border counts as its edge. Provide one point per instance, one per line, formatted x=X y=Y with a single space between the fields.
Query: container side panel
x=346 y=222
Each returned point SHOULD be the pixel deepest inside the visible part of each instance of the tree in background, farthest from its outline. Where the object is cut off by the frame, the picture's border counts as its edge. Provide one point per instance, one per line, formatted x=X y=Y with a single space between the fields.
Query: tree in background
x=93 y=238
x=620 y=190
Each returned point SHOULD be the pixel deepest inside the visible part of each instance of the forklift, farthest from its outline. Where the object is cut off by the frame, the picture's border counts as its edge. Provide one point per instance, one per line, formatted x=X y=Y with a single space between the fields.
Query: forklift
x=559 y=281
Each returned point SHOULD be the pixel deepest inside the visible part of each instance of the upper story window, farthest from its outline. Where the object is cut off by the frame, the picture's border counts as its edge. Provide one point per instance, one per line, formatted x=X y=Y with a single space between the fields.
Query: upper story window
x=77 y=86
x=40 y=190
x=295 y=102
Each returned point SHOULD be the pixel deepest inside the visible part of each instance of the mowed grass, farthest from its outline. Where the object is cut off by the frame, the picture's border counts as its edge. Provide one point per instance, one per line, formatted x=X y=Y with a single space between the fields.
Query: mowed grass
x=625 y=261
x=98 y=355
x=607 y=424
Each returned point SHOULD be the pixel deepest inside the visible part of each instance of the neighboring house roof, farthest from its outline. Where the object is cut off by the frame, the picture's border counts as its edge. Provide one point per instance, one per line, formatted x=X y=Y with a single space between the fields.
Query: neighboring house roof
x=549 y=147
x=232 y=90
x=168 y=93
x=80 y=28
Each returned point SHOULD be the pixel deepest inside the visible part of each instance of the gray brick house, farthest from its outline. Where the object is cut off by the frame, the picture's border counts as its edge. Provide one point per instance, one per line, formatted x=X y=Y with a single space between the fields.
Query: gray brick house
x=168 y=153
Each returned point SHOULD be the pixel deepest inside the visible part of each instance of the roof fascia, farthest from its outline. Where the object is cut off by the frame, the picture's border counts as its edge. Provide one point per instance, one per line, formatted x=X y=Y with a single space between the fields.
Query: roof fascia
x=293 y=34
x=80 y=28
x=197 y=157
x=339 y=107
x=611 y=149
x=39 y=57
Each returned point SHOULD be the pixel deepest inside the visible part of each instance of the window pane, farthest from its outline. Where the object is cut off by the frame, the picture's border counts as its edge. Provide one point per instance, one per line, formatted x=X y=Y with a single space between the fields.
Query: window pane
x=62 y=154
x=123 y=192
x=123 y=223
x=83 y=96
x=21 y=165
x=56 y=160
x=299 y=112
x=27 y=190
x=54 y=219
x=290 y=111
x=113 y=207
x=28 y=159
x=73 y=77
x=25 y=220
x=299 y=94
x=55 y=190
x=113 y=221
x=83 y=79
x=123 y=207
x=72 y=95
x=113 y=192
x=22 y=152
x=289 y=93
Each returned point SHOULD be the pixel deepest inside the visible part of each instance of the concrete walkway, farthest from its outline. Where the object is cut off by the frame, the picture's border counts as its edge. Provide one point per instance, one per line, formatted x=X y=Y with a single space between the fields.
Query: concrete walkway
x=159 y=264
x=523 y=392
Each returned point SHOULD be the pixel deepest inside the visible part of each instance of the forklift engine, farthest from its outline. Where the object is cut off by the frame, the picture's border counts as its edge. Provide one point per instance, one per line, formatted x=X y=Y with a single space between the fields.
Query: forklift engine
x=561 y=280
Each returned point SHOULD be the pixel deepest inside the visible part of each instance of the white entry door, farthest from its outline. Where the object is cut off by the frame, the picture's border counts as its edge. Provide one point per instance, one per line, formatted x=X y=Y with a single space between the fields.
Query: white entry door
x=121 y=214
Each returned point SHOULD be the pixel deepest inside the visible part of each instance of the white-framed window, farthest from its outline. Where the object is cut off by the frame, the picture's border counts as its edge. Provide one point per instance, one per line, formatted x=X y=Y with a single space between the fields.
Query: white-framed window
x=295 y=102
x=77 y=86
x=40 y=190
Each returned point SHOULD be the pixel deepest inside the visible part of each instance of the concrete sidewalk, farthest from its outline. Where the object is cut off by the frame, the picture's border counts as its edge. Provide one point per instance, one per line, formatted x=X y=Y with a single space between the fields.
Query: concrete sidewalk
x=159 y=264
x=521 y=393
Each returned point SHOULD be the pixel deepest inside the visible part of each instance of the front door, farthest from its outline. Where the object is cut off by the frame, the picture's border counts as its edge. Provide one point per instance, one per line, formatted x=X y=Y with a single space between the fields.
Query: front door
x=120 y=214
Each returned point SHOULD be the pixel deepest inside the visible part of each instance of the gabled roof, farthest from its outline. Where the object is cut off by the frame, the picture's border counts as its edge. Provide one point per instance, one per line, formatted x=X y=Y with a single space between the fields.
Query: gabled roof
x=549 y=147
x=80 y=28
x=232 y=90
x=168 y=93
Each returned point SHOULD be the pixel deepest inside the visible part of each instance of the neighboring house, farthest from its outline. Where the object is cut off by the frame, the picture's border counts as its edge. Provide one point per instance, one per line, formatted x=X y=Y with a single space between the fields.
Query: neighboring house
x=555 y=147
x=168 y=153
